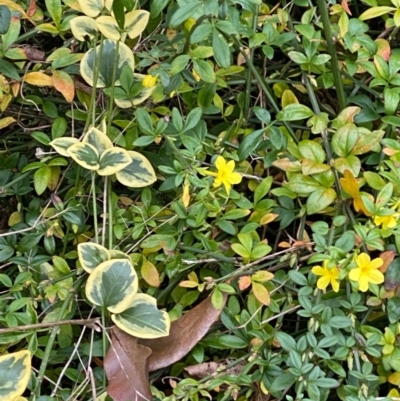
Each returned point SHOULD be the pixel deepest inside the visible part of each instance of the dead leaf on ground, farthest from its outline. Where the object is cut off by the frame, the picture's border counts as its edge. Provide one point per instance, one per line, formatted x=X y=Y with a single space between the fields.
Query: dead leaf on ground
x=205 y=369
x=126 y=366
x=184 y=334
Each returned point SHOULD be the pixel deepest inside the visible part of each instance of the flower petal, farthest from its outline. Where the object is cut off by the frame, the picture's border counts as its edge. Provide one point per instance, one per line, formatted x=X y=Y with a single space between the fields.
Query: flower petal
x=375 y=276
x=375 y=263
x=230 y=166
x=234 y=178
x=335 y=285
x=318 y=271
x=206 y=172
x=228 y=186
x=323 y=282
x=217 y=182
x=363 y=260
x=220 y=163
x=355 y=274
x=363 y=283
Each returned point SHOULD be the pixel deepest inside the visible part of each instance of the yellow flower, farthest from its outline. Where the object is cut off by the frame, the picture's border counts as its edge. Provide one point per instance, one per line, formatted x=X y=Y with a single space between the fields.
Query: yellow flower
x=328 y=276
x=367 y=271
x=149 y=81
x=386 y=221
x=225 y=175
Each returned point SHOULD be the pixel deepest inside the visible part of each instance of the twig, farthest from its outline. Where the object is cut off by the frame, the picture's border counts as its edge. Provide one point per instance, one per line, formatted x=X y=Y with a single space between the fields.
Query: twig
x=92 y=323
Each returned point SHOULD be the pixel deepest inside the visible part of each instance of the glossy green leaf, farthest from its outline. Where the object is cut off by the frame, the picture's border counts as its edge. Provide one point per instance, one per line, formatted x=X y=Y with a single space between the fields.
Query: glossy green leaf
x=184 y=12
x=320 y=200
x=112 y=284
x=5 y=19
x=142 y=319
x=374 y=12
x=222 y=53
x=294 y=112
x=41 y=179
x=54 y=8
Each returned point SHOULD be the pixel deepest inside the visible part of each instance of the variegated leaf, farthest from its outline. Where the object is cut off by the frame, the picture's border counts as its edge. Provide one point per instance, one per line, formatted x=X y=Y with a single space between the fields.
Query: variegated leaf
x=61 y=145
x=115 y=254
x=92 y=8
x=83 y=27
x=142 y=318
x=108 y=26
x=97 y=139
x=15 y=372
x=85 y=155
x=113 y=284
x=139 y=173
x=91 y=255
x=125 y=57
x=136 y=22
x=113 y=160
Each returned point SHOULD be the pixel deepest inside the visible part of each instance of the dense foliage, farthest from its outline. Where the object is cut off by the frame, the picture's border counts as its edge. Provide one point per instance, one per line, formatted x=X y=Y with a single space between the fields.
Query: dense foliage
x=226 y=157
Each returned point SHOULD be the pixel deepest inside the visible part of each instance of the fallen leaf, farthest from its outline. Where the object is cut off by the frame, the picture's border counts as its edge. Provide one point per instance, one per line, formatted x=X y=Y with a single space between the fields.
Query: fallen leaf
x=126 y=366
x=64 y=84
x=150 y=273
x=184 y=334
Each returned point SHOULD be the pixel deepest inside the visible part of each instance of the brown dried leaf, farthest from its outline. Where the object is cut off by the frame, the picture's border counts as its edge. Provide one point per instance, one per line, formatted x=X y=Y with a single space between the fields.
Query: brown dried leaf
x=184 y=334
x=387 y=257
x=126 y=366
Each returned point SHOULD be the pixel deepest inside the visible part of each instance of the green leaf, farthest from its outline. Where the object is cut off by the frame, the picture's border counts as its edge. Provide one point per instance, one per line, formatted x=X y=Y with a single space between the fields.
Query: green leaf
x=41 y=179
x=393 y=309
x=262 y=189
x=156 y=6
x=109 y=52
x=294 y=112
x=138 y=173
x=384 y=195
x=179 y=64
x=367 y=141
x=142 y=319
x=282 y=382
x=5 y=19
x=54 y=8
x=311 y=150
x=15 y=372
x=204 y=70
x=113 y=160
x=320 y=199
x=113 y=284
x=374 y=180
x=85 y=155
x=9 y=70
x=119 y=13
x=145 y=122
x=374 y=12
x=91 y=255
x=392 y=275
x=298 y=58
x=222 y=53
x=184 y=12
x=249 y=143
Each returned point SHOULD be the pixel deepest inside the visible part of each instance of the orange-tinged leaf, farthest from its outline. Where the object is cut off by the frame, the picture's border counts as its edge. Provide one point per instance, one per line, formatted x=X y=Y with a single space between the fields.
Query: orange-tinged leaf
x=15 y=86
x=387 y=257
x=359 y=206
x=267 y=218
x=6 y=121
x=38 y=78
x=188 y=284
x=284 y=244
x=64 y=84
x=244 y=282
x=150 y=273
x=31 y=8
x=384 y=49
x=345 y=6
x=349 y=184
x=261 y=293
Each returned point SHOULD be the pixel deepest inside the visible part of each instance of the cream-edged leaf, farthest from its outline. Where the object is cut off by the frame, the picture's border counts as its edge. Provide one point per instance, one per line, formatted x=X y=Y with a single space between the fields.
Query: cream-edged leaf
x=116 y=254
x=113 y=160
x=108 y=26
x=136 y=22
x=92 y=8
x=142 y=318
x=85 y=155
x=61 y=145
x=91 y=255
x=97 y=139
x=139 y=173
x=105 y=79
x=83 y=27
x=113 y=284
x=15 y=372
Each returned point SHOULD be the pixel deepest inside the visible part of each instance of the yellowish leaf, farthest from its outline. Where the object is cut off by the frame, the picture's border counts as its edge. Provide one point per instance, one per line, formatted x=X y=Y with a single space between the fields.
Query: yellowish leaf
x=64 y=84
x=186 y=195
x=150 y=273
x=15 y=218
x=244 y=282
x=38 y=78
x=288 y=97
x=350 y=184
x=261 y=293
x=6 y=121
x=394 y=378
x=267 y=218
x=188 y=284
x=13 y=6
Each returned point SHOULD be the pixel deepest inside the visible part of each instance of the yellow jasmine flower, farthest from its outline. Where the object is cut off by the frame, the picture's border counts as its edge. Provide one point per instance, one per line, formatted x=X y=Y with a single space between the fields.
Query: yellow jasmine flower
x=367 y=271
x=328 y=276
x=149 y=81
x=225 y=174
x=386 y=221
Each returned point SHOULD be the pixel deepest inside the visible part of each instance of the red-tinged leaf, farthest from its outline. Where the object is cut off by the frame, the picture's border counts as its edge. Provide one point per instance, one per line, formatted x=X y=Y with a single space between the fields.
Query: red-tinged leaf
x=64 y=84
x=31 y=8
x=261 y=293
x=383 y=49
x=345 y=6
x=244 y=282
x=126 y=366
x=387 y=257
x=184 y=334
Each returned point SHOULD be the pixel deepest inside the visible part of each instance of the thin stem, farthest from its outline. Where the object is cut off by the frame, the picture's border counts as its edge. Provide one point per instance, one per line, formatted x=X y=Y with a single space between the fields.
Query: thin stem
x=322 y=6
x=111 y=99
x=110 y=215
x=104 y=337
x=94 y=200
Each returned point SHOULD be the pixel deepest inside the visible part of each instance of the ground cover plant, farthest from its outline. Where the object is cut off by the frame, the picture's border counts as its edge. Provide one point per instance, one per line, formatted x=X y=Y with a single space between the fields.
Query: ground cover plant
x=199 y=200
